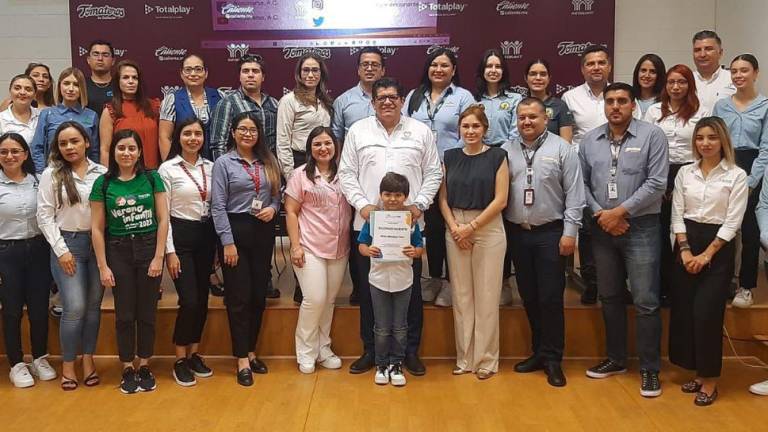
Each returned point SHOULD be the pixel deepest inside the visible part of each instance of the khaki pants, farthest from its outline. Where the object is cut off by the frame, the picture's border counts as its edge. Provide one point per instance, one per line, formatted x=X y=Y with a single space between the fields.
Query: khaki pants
x=476 y=276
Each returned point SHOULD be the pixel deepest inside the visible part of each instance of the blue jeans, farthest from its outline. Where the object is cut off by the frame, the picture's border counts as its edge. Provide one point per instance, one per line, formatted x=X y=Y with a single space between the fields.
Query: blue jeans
x=637 y=255
x=81 y=296
x=390 y=325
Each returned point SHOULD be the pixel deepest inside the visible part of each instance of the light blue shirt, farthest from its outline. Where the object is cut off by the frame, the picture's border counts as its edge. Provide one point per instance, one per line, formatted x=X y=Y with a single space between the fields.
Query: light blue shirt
x=353 y=105
x=18 y=208
x=642 y=168
x=501 y=111
x=50 y=119
x=749 y=131
x=445 y=121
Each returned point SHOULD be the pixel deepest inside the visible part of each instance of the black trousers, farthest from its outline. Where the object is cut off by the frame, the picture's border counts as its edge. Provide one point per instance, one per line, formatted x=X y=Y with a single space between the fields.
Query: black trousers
x=135 y=294
x=750 y=232
x=25 y=280
x=435 y=234
x=667 y=257
x=540 y=275
x=195 y=244
x=587 y=267
x=415 y=307
x=245 y=285
x=698 y=305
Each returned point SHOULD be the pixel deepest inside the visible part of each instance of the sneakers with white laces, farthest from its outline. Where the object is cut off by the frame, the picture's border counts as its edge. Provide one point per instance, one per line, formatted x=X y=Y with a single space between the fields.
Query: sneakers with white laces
x=20 y=376
x=760 y=388
x=42 y=369
x=743 y=298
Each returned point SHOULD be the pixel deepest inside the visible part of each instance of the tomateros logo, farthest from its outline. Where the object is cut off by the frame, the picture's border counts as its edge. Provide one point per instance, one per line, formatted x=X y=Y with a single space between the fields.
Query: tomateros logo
x=102 y=12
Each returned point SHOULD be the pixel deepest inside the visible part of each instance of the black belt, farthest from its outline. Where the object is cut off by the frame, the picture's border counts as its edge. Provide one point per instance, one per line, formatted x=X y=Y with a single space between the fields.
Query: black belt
x=547 y=226
x=22 y=241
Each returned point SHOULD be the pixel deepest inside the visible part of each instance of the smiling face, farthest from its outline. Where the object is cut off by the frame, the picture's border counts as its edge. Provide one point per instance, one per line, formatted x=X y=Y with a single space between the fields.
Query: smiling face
x=72 y=145
x=537 y=78
x=70 y=90
x=596 y=67
x=441 y=71
x=618 y=107
x=310 y=73
x=471 y=129
x=647 y=75
x=193 y=72
x=129 y=81
x=677 y=87
x=127 y=153
x=393 y=201
x=191 y=138
x=322 y=148
x=707 y=54
x=707 y=142
x=743 y=74
x=246 y=135
x=12 y=155
x=493 y=70
x=42 y=78
x=370 y=68
x=22 y=92
x=387 y=104
x=531 y=121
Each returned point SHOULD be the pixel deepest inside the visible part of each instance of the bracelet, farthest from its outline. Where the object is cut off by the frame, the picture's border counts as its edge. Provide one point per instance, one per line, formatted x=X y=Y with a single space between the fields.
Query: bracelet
x=684 y=244
x=685 y=248
x=473 y=224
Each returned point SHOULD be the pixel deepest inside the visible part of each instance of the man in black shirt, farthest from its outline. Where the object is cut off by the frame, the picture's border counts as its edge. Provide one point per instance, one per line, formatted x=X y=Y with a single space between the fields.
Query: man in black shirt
x=101 y=56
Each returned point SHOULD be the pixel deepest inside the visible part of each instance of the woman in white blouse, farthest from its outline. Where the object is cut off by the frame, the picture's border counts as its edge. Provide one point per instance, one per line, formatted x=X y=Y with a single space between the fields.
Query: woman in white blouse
x=64 y=217
x=708 y=205
x=21 y=117
x=677 y=115
x=191 y=243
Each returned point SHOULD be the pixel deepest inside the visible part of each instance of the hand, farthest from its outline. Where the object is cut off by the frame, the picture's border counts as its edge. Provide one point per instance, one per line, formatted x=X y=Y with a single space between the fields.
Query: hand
x=266 y=214
x=567 y=245
x=462 y=232
x=67 y=263
x=697 y=263
x=230 y=255
x=409 y=251
x=173 y=265
x=374 y=252
x=107 y=278
x=297 y=257
x=612 y=221
x=155 y=267
x=415 y=212
x=365 y=212
x=465 y=244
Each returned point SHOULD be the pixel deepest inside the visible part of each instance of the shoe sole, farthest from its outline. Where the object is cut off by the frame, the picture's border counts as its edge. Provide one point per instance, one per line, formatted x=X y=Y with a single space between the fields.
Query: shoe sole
x=182 y=383
x=741 y=306
x=330 y=367
x=359 y=371
x=398 y=384
x=650 y=394
x=203 y=374
x=381 y=383
x=758 y=392
x=49 y=378
x=146 y=390
x=124 y=391
x=24 y=385
x=597 y=375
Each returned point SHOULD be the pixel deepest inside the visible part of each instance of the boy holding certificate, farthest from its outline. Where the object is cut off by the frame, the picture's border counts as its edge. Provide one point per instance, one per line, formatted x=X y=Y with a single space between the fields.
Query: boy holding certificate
x=391 y=242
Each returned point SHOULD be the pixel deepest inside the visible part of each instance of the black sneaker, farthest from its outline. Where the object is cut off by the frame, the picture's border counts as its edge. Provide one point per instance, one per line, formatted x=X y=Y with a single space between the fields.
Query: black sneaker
x=57 y=311
x=272 y=292
x=650 y=385
x=198 y=366
x=182 y=374
x=129 y=384
x=146 y=379
x=605 y=368
x=217 y=290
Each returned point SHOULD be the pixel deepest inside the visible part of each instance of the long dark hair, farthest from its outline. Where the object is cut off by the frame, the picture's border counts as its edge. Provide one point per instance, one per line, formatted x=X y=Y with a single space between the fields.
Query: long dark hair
x=661 y=77
x=141 y=98
x=113 y=170
x=175 y=149
x=48 y=95
x=425 y=84
x=28 y=166
x=61 y=168
x=481 y=84
x=691 y=103
x=311 y=162
x=528 y=67
x=260 y=150
x=320 y=94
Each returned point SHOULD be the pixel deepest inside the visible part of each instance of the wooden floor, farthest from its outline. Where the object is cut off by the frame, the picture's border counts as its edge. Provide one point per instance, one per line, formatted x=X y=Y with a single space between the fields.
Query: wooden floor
x=286 y=400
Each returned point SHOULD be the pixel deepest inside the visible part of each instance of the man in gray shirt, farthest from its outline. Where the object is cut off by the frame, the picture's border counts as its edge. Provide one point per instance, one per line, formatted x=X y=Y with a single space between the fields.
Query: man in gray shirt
x=625 y=165
x=546 y=197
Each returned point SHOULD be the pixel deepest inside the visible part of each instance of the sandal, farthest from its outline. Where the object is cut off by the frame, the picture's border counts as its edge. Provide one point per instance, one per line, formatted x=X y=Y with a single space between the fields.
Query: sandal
x=703 y=399
x=92 y=380
x=692 y=386
x=68 y=384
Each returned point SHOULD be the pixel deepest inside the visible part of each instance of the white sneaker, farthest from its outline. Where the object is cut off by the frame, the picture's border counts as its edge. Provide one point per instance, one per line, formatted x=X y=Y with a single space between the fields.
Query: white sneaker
x=42 y=369
x=20 y=376
x=430 y=288
x=307 y=368
x=382 y=375
x=396 y=376
x=331 y=362
x=743 y=298
x=760 y=388
x=443 y=299
x=507 y=293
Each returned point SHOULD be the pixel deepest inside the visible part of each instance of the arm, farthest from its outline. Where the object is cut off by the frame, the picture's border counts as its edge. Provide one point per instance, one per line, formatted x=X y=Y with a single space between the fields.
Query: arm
x=165 y=132
x=105 y=136
x=292 y=209
x=445 y=209
x=737 y=205
x=219 y=128
x=286 y=114
x=37 y=146
x=94 y=151
x=337 y=123
x=759 y=165
x=655 y=183
x=432 y=173
x=349 y=171
x=172 y=262
x=586 y=172
x=161 y=213
x=46 y=220
x=98 y=224
x=566 y=133
x=219 y=197
x=575 y=195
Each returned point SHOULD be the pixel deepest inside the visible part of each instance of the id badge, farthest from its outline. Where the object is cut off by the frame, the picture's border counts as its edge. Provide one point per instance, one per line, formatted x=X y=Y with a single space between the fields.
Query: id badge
x=613 y=191
x=206 y=211
x=528 y=197
x=256 y=206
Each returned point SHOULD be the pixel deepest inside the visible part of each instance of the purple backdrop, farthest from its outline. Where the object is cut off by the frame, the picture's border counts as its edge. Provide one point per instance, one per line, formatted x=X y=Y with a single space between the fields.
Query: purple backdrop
x=158 y=34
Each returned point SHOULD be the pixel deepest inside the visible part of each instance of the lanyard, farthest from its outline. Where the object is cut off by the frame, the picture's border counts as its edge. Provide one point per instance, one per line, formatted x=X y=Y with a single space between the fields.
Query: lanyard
x=432 y=111
x=530 y=155
x=615 y=152
x=254 y=175
x=203 y=191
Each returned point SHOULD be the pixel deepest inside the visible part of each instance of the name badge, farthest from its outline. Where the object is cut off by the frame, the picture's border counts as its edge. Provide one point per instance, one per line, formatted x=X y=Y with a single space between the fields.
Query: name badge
x=206 y=211
x=256 y=206
x=613 y=191
x=528 y=197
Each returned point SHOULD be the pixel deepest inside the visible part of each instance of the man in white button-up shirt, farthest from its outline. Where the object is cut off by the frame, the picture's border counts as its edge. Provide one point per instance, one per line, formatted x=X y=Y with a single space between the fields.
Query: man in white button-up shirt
x=713 y=81
x=374 y=146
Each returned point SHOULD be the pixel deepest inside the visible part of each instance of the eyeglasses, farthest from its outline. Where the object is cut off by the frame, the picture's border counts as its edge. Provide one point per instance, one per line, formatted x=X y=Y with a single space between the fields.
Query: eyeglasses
x=681 y=82
x=105 y=55
x=370 y=65
x=13 y=152
x=247 y=131
x=190 y=70
x=307 y=70
x=384 y=98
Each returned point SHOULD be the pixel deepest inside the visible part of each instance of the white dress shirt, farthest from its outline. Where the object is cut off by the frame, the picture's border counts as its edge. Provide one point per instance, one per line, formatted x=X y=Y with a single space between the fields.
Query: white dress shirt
x=718 y=199
x=9 y=123
x=370 y=152
x=588 y=110
x=679 y=133
x=294 y=123
x=716 y=87
x=184 y=200
x=54 y=216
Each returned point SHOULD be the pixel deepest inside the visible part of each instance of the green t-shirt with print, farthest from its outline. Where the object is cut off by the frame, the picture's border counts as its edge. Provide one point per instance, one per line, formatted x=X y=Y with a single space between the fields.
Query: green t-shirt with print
x=130 y=205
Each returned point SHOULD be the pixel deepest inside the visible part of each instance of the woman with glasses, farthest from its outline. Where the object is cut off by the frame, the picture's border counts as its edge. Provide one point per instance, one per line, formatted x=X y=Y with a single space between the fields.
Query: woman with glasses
x=194 y=100
x=537 y=79
x=21 y=117
x=245 y=198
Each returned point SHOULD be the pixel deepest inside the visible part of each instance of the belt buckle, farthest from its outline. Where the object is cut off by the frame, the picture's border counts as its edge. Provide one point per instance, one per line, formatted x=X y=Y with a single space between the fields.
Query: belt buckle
x=526 y=226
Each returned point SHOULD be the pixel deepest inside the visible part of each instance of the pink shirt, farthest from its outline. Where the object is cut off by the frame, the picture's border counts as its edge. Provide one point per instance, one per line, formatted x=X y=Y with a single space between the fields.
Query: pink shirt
x=324 y=216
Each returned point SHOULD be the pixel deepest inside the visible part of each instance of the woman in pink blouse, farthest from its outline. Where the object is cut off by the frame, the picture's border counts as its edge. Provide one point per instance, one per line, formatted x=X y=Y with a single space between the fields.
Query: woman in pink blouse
x=316 y=215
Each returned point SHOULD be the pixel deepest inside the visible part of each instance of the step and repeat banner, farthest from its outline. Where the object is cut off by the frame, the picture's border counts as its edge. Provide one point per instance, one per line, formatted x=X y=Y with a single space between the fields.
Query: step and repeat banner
x=158 y=34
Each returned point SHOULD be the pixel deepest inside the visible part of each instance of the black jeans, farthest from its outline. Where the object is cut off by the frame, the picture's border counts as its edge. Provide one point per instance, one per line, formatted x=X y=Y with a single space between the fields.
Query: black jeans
x=195 y=244
x=245 y=285
x=435 y=235
x=415 y=307
x=540 y=275
x=25 y=279
x=135 y=294
x=667 y=258
x=750 y=232
x=587 y=267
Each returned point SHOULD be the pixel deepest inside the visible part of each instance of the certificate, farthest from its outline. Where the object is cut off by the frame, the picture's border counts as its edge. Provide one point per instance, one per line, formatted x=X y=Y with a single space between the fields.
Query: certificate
x=391 y=232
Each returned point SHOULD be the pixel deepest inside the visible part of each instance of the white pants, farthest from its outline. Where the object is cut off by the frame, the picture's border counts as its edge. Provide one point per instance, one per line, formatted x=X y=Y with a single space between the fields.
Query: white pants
x=320 y=281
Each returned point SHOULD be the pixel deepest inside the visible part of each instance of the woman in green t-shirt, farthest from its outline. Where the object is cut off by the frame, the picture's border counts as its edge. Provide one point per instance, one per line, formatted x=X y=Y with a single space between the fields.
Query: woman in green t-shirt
x=129 y=215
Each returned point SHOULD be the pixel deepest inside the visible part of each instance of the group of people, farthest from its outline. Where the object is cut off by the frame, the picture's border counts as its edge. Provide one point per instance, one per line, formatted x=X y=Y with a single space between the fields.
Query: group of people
x=108 y=186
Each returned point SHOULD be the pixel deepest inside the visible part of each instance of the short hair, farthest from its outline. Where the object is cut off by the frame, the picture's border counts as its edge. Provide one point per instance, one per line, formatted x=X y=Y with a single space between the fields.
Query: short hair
x=527 y=101
x=371 y=50
x=718 y=125
x=78 y=74
x=387 y=82
x=594 y=49
x=749 y=58
x=707 y=34
x=620 y=86
x=101 y=42
x=252 y=58
x=478 y=111
x=394 y=183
